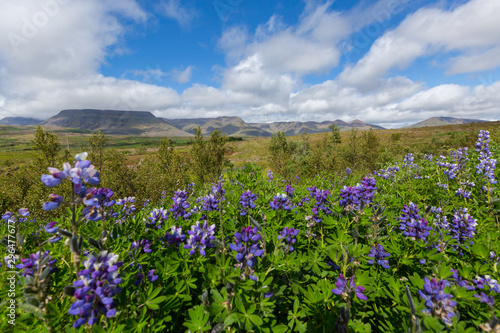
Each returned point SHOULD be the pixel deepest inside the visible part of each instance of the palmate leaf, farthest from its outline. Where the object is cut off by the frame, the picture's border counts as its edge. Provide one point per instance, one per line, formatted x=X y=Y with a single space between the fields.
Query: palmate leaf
x=197 y=320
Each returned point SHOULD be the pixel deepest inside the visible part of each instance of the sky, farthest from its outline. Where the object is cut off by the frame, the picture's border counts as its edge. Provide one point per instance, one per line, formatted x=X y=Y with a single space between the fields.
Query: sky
x=388 y=62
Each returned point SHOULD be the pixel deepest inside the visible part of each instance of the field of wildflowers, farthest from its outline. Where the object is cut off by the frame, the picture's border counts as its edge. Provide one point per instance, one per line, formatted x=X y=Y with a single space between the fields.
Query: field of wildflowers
x=412 y=247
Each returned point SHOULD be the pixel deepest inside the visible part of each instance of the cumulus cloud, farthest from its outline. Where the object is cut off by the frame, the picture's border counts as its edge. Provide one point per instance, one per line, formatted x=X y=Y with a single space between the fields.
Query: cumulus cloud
x=470 y=27
x=175 y=11
x=182 y=76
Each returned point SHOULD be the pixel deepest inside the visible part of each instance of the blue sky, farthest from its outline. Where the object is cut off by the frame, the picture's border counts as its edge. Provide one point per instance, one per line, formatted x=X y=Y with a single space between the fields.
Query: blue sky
x=387 y=62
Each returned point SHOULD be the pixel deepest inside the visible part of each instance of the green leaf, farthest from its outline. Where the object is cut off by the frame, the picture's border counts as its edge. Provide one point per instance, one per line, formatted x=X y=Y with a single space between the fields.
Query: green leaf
x=31 y=309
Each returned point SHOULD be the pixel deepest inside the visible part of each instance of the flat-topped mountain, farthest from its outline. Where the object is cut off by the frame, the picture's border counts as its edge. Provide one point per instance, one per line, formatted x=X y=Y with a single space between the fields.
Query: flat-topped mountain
x=232 y=126
x=114 y=122
x=297 y=127
x=19 y=121
x=442 y=121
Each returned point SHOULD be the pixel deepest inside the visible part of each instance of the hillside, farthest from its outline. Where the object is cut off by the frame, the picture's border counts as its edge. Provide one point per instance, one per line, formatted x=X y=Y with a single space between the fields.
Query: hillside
x=296 y=127
x=114 y=122
x=232 y=126
x=443 y=121
x=19 y=121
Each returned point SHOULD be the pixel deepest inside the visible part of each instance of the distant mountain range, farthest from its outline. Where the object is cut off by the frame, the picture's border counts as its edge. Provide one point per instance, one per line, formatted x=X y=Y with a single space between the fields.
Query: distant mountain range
x=145 y=123
x=19 y=121
x=114 y=122
x=443 y=121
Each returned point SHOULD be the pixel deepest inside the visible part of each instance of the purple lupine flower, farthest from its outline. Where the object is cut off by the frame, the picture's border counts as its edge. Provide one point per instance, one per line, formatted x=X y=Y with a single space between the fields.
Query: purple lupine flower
x=209 y=203
x=437 y=301
x=54 y=202
x=158 y=216
x=428 y=157
x=439 y=218
x=180 y=207
x=486 y=280
x=389 y=173
x=344 y=288
x=30 y=264
x=247 y=200
x=247 y=248
x=82 y=171
x=97 y=285
x=462 y=226
x=200 y=237
x=460 y=156
x=351 y=196
x=445 y=186
x=460 y=281
x=51 y=227
x=176 y=236
x=347 y=171
x=378 y=254
x=289 y=237
x=486 y=164
x=412 y=224
x=408 y=162
x=281 y=201
x=9 y=217
x=322 y=203
x=270 y=175
x=483 y=298
x=463 y=193
x=142 y=246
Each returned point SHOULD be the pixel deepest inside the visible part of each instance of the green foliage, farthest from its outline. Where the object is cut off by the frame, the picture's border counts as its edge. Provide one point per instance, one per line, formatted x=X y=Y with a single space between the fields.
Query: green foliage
x=96 y=144
x=47 y=145
x=208 y=157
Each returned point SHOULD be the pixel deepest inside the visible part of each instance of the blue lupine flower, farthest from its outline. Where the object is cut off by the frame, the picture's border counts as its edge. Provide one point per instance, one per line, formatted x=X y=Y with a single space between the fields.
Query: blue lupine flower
x=142 y=246
x=347 y=171
x=486 y=280
x=270 y=175
x=389 y=173
x=247 y=200
x=462 y=227
x=378 y=254
x=445 y=186
x=322 y=203
x=97 y=285
x=30 y=264
x=486 y=164
x=247 y=246
x=350 y=197
x=344 y=288
x=54 y=202
x=51 y=228
x=458 y=280
x=463 y=193
x=176 y=236
x=289 y=237
x=180 y=207
x=437 y=301
x=483 y=298
x=157 y=217
x=281 y=201
x=289 y=191
x=200 y=237
x=412 y=224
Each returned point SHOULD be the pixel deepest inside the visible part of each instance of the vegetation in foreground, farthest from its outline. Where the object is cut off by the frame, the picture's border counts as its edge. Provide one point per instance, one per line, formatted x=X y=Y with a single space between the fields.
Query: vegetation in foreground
x=413 y=246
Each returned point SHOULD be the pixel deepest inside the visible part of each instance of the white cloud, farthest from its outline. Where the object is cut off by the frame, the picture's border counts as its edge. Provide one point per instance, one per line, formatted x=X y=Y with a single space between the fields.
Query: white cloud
x=470 y=27
x=182 y=76
x=181 y=14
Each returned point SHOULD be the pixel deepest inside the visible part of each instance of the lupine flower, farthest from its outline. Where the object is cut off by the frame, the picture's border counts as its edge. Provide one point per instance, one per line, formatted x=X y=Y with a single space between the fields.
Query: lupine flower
x=208 y=203
x=151 y=277
x=486 y=164
x=289 y=237
x=437 y=302
x=445 y=186
x=127 y=209
x=142 y=246
x=462 y=226
x=344 y=288
x=389 y=173
x=176 y=236
x=289 y=190
x=281 y=201
x=463 y=193
x=351 y=196
x=180 y=206
x=247 y=246
x=52 y=229
x=82 y=171
x=95 y=289
x=412 y=224
x=30 y=264
x=439 y=218
x=270 y=175
x=378 y=254
x=458 y=280
x=347 y=171
x=408 y=162
x=486 y=280
x=158 y=216
x=428 y=157
x=247 y=200
x=200 y=237
x=322 y=203
x=9 y=217
x=483 y=298
x=218 y=189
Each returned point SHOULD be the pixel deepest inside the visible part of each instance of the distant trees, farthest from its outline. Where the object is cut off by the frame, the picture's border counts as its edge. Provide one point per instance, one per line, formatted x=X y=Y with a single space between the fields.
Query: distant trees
x=207 y=156
x=47 y=145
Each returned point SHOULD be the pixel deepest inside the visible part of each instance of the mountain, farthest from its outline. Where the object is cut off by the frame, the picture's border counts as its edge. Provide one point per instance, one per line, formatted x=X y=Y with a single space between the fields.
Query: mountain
x=297 y=127
x=443 y=121
x=19 y=121
x=232 y=126
x=114 y=122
